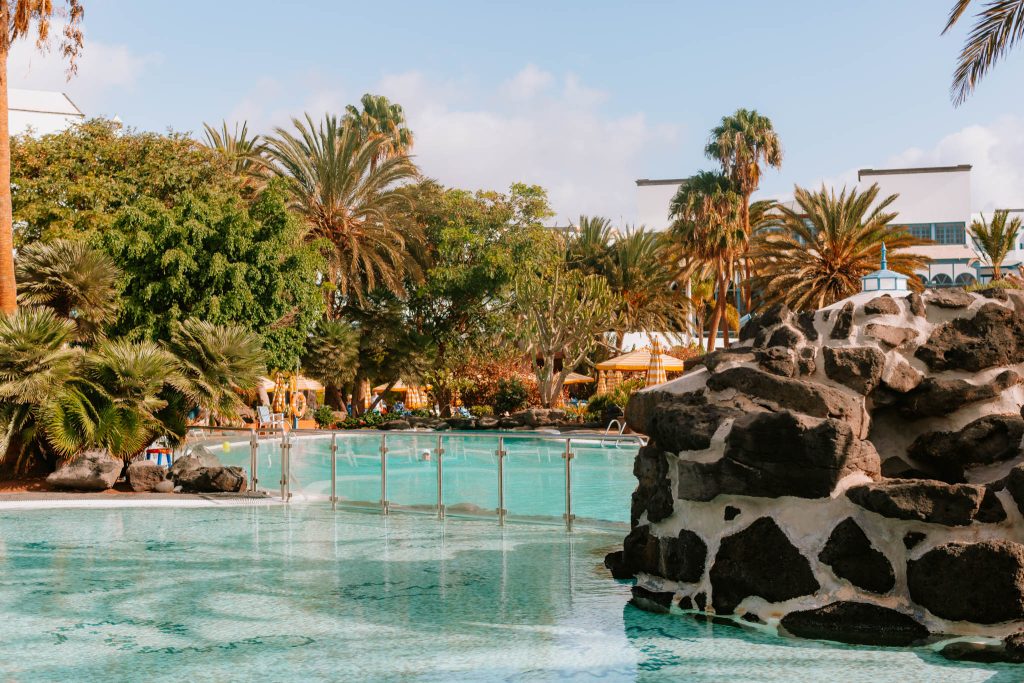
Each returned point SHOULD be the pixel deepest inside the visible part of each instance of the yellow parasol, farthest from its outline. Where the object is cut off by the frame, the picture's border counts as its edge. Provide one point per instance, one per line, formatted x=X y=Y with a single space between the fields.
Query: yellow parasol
x=656 y=368
x=577 y=378
x=640 y=361
x=280 y=401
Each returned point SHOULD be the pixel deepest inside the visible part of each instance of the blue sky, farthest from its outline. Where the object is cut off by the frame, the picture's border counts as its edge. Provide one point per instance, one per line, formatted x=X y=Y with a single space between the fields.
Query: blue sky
x=582 y=97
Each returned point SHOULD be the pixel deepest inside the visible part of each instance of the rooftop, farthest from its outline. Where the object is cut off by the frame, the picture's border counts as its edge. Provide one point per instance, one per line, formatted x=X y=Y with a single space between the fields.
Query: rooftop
x=42 y=102
x=907 y=171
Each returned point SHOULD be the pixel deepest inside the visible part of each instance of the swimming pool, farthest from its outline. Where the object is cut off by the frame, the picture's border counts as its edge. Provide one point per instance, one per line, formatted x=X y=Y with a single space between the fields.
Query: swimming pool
x=300 y=593
x=533 y=470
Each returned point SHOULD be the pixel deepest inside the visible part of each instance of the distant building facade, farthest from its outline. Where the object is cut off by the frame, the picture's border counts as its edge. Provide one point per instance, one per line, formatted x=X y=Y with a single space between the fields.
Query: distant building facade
x=933 y=203
x=41 y=111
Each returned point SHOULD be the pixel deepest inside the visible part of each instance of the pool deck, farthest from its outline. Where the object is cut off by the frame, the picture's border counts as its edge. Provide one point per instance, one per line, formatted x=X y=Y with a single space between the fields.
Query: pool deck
x=32 y=500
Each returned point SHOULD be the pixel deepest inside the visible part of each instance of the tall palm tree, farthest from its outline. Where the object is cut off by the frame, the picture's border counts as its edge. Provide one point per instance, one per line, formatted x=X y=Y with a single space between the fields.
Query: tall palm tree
x=708 y=233
x=216 y=363
x=243 y=153
x=742 y=143
x=993 y=241
x=77 y=281
x=827 y=243
x=998 y=27
x=382 y=119
x=19 y=18
x=348 y=200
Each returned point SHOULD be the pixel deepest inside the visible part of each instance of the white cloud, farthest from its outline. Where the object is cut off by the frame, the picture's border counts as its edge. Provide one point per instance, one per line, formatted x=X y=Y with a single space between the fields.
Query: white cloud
x=996 y=152
x=534 y=127
x=103 y=71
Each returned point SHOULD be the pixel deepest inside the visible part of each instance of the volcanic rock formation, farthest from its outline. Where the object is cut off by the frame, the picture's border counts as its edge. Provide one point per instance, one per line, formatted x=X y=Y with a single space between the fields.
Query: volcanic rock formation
x=855 y=474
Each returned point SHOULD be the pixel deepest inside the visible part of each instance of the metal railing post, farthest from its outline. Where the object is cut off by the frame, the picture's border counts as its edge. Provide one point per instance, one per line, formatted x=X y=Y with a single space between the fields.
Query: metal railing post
x=384 y=473
x=440 y=479
x=285 y=467
x=501 y=480
x=254 y=457
x=568 y=455
x=334 y=471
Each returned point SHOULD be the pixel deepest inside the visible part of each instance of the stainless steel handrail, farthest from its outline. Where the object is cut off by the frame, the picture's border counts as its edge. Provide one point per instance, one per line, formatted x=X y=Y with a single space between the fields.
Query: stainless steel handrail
x=286 y=442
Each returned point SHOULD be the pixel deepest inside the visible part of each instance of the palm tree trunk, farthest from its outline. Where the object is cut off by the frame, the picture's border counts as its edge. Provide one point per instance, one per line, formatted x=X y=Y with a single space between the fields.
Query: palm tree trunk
x=745 y=287
x=8 y=286
x=716 y=316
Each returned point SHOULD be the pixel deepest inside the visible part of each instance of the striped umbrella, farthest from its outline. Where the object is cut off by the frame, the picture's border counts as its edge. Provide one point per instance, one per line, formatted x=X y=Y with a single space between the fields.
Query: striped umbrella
x=614 y=379
x=656 y=369
x=602 y=383
x=280 y=400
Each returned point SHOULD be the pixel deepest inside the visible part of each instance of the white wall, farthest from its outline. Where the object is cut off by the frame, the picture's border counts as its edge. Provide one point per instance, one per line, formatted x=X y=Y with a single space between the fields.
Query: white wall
x=926 y=197
x=652 y=204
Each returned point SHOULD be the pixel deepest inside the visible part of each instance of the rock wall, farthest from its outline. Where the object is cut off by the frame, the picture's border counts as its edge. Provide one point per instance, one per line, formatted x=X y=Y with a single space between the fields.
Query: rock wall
x=853 y=474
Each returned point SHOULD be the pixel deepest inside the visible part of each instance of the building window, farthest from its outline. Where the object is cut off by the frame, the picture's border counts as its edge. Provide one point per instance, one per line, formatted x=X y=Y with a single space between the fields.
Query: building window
x=921 y=231
x=942 y=280
x=950 y=233
x=964 y=280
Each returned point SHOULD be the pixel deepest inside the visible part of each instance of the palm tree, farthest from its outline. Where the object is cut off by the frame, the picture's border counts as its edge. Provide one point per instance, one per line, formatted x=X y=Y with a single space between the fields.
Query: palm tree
x=215 y=363
x=242 y=152
x=39 y=370
x=708 y=234
x=331 y=357
x=349 y=201
x=742 y=143
x=993 y=241
x=128 y=382
x=640 y=274
x=381 y=119
x=825 y=245
x=589 y=247
x=77 y=281
x=997 y=29
x=19 y=18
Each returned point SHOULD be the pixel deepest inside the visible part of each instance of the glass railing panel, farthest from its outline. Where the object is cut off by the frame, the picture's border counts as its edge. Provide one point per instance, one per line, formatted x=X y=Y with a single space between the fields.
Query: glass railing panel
x=470 y=475
x=412 y=475
x=359 y=470
x=602 y=481
x=535 y=478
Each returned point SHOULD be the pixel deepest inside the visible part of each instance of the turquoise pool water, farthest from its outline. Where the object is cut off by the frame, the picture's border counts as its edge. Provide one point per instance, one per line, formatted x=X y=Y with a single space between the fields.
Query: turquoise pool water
x=534 y=471
x=301 y=593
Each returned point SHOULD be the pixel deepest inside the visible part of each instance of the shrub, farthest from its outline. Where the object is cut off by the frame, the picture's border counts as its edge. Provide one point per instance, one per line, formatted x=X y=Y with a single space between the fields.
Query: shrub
x=510 y=396
x=597 y=405
x=324 y=417
x=481 y=411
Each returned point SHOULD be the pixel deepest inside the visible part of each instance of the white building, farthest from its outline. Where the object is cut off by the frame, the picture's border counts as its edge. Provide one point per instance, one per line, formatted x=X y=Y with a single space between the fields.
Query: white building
x=653 y=198
x=41 y=111
x=934 y=203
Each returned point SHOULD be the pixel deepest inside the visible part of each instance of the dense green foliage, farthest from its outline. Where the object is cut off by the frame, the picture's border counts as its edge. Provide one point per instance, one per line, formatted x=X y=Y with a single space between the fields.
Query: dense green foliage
x=188 y=239
x=510 y=396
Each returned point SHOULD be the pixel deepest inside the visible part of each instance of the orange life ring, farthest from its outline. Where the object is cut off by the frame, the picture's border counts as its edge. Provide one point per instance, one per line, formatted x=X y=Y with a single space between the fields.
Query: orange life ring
x=298 y=404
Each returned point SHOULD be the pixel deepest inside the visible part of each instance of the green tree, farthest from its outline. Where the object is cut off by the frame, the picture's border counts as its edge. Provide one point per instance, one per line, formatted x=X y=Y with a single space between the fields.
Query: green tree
x=742 y=143
x=993 y=241
x=331 y=356
x=474 y=244
x=998 y=27
x=215 y=258
x=348 y=201
x=380 y=118
x=708 y=235
x=77 y=183
x=19 y=19
x=242 y=152
x=562 y=313
x=77 y=281
x=827 y=243
x=637 y=266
